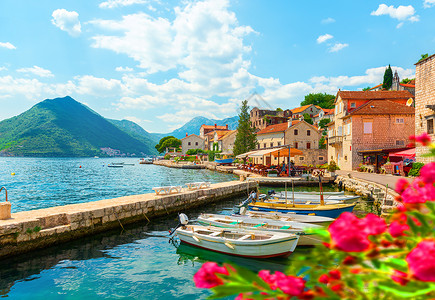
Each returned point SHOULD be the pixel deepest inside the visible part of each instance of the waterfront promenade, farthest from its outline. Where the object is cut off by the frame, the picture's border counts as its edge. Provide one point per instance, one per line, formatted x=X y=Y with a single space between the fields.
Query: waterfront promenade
x=381 y=179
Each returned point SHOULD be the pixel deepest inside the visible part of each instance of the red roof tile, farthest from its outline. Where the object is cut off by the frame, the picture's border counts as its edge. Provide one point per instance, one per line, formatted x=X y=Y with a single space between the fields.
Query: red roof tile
x=408 y=85
x=213 y=127
x=383 y=107
x=274 y=128
x=374 y=95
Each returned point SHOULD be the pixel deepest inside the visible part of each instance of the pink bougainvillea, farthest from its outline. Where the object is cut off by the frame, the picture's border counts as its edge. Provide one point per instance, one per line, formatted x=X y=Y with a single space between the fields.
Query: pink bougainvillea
x=290 y=285
x=421 y=260
x=206 y=275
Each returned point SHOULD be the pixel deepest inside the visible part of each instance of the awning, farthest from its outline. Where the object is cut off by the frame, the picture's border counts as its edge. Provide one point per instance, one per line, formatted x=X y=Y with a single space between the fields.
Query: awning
x=243 y=155
x=284 y=152
x=409 y=153
x=261 y=153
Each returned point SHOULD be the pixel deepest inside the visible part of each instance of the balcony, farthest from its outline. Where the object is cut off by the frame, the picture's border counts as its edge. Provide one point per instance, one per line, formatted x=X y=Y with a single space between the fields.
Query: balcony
x=335 y=140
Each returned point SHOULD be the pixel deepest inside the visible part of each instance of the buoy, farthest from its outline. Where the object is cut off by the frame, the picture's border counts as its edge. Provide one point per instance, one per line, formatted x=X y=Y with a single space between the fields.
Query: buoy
x=80 y=166
x=12 y=174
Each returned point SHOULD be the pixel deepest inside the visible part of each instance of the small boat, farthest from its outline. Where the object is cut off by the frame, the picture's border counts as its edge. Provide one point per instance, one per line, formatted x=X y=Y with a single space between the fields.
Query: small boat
x=314 y=196
x=285 y=217
x=238 y=242
x=117 y=163
x=330 y=211
x=225 y=161
x=300 y=201
x=115 y=166
x=305 y=239
x=146 y=161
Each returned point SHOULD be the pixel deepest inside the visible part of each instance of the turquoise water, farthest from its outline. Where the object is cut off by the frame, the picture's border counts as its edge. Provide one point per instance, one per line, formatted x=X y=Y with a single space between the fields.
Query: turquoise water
x=46 y=182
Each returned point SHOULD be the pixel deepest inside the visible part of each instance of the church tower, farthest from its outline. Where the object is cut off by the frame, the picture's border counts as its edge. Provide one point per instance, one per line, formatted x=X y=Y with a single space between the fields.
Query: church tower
x=396 y=82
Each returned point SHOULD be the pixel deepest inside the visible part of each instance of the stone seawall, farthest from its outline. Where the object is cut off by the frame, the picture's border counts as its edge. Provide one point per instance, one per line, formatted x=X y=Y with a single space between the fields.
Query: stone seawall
x=178 y=165
x=31 y=230
x=383 y=197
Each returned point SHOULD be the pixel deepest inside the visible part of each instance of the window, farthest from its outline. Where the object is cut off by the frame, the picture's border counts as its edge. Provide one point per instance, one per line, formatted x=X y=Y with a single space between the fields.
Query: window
x=196 y=143
x=296 y=145
x=279 y=143
x=400 y=143
x=308 y=132
x=308 y=145
x=301 y=158
x=188 y=143
x=430 y=126
x=264 y=145
x=352 y=105
x=321 y=158
x=271 y=144
x=399 y=121
x=295 y=132
x=258 y=146
x=348 y=128
x=345 y=157
x=367 y=127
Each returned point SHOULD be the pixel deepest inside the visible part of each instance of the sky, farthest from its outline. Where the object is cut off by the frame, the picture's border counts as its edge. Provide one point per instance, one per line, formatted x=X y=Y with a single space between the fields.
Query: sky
x=160 y=63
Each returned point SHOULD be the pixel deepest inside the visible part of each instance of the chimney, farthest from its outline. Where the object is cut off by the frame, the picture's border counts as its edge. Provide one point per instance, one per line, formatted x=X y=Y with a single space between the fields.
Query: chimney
x=187 y=134
x=215 y=125
x=226 y=126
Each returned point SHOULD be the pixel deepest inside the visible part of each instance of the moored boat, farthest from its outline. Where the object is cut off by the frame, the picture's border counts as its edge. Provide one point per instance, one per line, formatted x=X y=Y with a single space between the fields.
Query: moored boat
x=245 y=243
x=273 y=215
x=305 y=238
x=314 y=196
x=146 y=161
x=225 y=161
x=300 y=201
x=331 y=211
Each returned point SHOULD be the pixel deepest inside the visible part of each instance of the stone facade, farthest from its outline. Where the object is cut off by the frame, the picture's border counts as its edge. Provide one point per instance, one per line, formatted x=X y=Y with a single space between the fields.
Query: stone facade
x=311 y=157
x=204 y=129
x=261 y=118
x=425 y=103
x=310 y=109
x=226 y=142
x=301 y=135
x=192 y=141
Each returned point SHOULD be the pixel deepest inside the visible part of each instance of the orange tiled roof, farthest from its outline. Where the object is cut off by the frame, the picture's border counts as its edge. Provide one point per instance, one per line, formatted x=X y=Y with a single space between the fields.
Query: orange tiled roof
x=213 y=127
x=302 y=108
x=227 y=133
x=374 y=95
x=375 y=87
x=328 y=110
x=383 y=107
x=408 y=85
x=274 y=128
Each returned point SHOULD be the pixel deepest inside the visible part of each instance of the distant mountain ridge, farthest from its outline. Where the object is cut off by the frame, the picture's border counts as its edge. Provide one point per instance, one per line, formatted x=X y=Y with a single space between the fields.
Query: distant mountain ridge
x=63 y=127
x=193 y=126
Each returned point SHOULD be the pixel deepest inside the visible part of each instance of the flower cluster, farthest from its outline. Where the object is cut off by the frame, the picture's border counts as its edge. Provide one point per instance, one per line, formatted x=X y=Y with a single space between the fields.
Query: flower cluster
x=364 y=258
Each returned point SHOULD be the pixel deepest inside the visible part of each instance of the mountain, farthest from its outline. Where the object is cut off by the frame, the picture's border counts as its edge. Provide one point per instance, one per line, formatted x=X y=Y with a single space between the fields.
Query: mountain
x=136 y=131
x=64 y=127
x=193 y=126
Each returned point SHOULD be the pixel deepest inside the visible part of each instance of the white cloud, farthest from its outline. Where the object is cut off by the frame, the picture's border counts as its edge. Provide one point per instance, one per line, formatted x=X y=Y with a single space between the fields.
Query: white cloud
x=67 y=21
x=401 y=13
x=3 y=69
x=324 y=38
x=337 y=47
x=124 y=69
x=7 y=45
x=120 y=3
x=36 y=71
x=428 y=3
x=90 y=85
x=328 y=20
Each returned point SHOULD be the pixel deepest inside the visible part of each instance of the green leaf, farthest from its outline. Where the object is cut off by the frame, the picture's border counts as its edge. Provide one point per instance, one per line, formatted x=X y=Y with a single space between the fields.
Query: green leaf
x=230 y=289
x=397 y=264
x=407 y=291
x=431 y=206
x=322 y=232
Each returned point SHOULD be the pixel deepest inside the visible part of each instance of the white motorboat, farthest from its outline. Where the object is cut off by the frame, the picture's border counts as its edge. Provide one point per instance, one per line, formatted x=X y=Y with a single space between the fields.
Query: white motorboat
x=300 y=201
x=239 y=242
x=313 y=197
x=239 y=222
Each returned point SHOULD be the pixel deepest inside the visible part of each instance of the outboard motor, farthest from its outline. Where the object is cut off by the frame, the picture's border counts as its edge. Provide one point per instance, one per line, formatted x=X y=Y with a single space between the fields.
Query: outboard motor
x=270 y=192
x=184 y=220
x=252 y=196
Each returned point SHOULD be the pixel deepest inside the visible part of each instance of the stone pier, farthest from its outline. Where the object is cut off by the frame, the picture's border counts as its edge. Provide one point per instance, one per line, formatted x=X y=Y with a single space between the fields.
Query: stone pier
x=31 y=230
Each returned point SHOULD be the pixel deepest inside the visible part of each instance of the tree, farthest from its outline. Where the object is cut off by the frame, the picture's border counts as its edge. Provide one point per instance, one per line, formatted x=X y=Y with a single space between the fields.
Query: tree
x=323 y=100
x=424 y=56
x=307 y=118
x=167 y=142
x=279 y=109
x=246 y=139
x=366 y=88
x=323 y=122
x=322 y=144
x=406 y=80
x=388 y=78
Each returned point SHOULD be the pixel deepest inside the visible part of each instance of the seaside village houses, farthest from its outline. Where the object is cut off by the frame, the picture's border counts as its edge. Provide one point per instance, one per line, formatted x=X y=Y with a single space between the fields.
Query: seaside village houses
x=368 y=125
x=425 y=103
x=211 y=137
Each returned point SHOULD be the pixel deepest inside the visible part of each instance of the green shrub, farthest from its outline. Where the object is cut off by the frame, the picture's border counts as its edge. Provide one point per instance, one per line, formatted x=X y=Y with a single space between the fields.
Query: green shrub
x=167 y=157
x=415 y=171
x=332 y=166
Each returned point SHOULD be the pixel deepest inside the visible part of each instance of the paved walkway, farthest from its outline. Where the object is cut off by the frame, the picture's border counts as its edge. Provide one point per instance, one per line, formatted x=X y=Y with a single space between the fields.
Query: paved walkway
x=376 y=178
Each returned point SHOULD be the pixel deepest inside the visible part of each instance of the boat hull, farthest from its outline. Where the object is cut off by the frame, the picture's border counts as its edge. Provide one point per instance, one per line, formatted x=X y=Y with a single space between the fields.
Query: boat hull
x=282 y=246
x=316 y=220
x=224 y=161
x=330 y=211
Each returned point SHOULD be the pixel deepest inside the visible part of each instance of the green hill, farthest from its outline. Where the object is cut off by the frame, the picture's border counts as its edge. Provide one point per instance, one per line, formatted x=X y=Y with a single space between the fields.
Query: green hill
x=64 y=127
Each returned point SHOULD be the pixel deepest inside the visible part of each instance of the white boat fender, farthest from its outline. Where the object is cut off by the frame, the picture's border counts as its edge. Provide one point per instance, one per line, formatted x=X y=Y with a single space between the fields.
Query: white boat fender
x=229 y=245
x=183 y=219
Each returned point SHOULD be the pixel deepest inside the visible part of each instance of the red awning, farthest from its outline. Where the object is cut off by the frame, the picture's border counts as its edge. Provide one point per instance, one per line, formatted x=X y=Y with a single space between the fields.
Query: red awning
x=409 y=153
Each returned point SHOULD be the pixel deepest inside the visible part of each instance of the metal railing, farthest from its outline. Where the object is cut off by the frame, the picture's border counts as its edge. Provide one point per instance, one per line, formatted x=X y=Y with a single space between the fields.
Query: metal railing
x=6 y=192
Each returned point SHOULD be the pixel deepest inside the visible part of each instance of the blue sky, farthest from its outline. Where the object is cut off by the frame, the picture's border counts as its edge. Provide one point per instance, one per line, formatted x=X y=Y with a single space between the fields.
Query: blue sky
x=160 y=63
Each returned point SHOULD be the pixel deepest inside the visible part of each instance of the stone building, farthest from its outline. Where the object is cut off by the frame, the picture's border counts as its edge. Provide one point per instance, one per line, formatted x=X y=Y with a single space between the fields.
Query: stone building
x=271 y=136
x=226 y=142
x=261 y=118
x=425 y=102
x=311 y=109
x=397 y=86
x=204 y=129
x=192 y=141
x=369 y=124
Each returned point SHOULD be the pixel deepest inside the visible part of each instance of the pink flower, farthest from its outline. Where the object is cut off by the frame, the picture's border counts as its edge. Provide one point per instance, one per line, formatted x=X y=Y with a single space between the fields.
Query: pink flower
x=427 y=173
x=396 y=228
x=206 y=275
x=401 y=185
x=419 y=192
x=373 y=224
x=324 y=279
x=421 y=261
x=335 y=274
x=400 y=277
x=423 y=138
x=288 y=284
x=348 y=233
